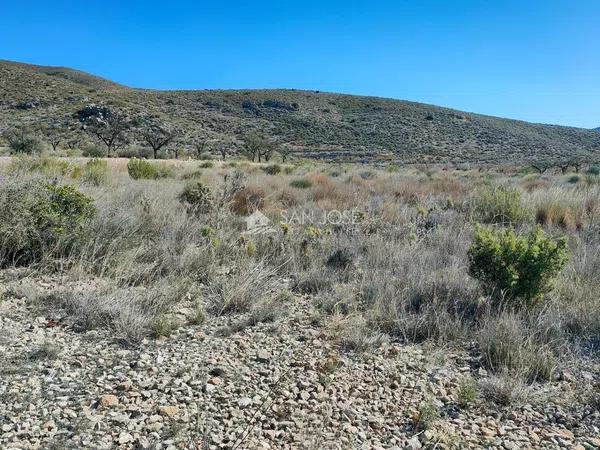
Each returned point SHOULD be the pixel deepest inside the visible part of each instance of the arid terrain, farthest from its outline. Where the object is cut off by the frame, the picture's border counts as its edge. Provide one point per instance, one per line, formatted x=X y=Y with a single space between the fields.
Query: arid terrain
x=209 y=304
x=314 y=124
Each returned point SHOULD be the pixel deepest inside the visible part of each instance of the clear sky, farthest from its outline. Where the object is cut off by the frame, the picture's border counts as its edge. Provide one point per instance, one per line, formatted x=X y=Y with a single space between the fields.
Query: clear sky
x=536 y=60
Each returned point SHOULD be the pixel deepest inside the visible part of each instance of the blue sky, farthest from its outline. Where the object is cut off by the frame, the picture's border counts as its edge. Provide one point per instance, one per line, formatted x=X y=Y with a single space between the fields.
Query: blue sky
x=530 y=59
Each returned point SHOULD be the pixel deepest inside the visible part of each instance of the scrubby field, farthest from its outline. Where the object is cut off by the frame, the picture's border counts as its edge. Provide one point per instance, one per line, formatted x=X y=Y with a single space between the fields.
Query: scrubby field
x=392 y=308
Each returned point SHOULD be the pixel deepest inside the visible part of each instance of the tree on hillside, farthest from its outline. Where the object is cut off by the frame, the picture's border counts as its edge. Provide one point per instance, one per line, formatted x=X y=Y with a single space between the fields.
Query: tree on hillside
x=105 y=125
x=284 y=151
x=258 y=147
x=156 y=134
x=540 y=166
x=53 y=132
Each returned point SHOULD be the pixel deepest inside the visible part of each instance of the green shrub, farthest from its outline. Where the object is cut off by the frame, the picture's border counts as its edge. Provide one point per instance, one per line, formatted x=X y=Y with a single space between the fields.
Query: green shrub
x=516 y=266
x=93 y=151
x=197 y=197
x=467 y=392
x=135 y=151
x=301 y=183
x=22 y=141
x=574 y=179
x=142 y=169
x=594 y=170
x=35 y=216
x=501 y=205
x=273 y=169
x=207 y=165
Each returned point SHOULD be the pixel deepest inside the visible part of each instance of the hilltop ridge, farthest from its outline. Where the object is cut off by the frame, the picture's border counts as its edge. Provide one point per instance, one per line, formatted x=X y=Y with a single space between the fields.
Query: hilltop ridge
x=317 y=124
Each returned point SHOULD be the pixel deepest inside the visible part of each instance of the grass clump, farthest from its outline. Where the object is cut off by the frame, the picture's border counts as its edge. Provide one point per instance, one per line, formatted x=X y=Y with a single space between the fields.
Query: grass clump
x=197 y=197
x=142 y=169
x=516 y=266
x=301 y=183
x=509 y=343
x=273 y=169
x=426 y=415
x=94 y=172
x=467 y=392
x=501 y=205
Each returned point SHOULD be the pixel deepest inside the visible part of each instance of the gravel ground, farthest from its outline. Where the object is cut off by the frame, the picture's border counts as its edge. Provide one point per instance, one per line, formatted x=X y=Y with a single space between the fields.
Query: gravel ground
x=281 y=385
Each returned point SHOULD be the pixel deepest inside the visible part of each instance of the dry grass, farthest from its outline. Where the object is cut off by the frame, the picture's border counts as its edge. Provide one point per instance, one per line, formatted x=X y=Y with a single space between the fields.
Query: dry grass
x=397 y=270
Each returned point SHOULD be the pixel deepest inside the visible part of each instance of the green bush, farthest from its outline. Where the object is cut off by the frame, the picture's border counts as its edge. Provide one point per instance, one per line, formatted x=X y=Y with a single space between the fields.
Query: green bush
x=135 y=151
x=22 y=142
x=516 y=266
x=197 y=197
x=93 y=151
x=207 y=165
x=36 y=216
x=501 y=205
x=273 y=169
x=301 y=183
x=142 y=169
x=594 y=170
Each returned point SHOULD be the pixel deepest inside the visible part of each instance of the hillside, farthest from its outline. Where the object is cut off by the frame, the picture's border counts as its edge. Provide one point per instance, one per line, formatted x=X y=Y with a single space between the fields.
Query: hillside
x=318 y=124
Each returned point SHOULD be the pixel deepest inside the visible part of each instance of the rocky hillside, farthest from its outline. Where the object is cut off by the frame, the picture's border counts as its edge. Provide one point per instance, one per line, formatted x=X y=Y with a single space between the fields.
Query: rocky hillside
x=317 y=124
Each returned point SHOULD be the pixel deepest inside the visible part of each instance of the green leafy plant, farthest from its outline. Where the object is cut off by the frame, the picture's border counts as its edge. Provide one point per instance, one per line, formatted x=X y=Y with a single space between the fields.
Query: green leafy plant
x=516 y=266
x=36 y=216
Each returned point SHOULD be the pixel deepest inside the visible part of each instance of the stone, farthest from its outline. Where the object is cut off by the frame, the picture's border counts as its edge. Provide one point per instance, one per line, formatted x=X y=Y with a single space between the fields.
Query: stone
x=125 y=438
x=414 y=443
x=244 y=402
x=108 y=401
x=169 y=411
x=263 y=356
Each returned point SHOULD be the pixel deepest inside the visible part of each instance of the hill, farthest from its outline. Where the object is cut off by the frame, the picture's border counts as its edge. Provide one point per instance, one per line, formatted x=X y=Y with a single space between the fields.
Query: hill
x=317 y=124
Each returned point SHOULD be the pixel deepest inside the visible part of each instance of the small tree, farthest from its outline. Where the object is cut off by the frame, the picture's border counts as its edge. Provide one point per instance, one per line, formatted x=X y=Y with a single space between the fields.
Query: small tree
x=22 y=141
x=564 y=166
x=540 y=167
x=284 y=151
x=258 y=147
x=156 y=134
x=54 y=133
x=110 y=129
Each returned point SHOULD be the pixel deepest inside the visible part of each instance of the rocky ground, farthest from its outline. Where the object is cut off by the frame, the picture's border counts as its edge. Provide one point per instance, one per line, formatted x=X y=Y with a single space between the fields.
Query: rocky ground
x=279 y=385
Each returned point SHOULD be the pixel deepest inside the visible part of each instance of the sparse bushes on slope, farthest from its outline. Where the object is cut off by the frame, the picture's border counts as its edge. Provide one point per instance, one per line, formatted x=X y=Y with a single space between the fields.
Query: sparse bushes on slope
x=36 y=216
x=519 y=267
